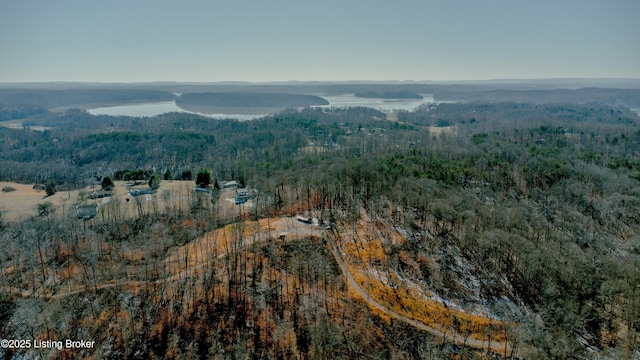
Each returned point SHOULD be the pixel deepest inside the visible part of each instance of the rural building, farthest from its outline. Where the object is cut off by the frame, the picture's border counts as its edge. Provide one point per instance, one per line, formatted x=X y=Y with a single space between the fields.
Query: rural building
x=243 y=195
x=230 y=184
x=303 y=219
x=86 y=212
x=137 y=192
x=99 y=194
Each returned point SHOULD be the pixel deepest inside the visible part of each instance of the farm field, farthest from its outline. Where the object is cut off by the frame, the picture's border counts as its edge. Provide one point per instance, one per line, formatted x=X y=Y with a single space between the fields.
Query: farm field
x=22 y=203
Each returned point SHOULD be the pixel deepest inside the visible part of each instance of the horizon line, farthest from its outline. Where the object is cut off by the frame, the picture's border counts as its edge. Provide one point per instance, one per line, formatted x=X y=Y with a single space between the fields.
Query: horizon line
x=240 y=82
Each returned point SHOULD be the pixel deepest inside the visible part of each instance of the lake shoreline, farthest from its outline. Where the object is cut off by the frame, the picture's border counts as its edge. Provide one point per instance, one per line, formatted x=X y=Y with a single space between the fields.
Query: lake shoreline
x=149 y=109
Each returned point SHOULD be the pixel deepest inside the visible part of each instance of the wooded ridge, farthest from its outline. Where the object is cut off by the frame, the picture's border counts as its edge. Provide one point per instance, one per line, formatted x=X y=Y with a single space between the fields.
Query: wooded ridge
x=502 y=223
x=232 y=99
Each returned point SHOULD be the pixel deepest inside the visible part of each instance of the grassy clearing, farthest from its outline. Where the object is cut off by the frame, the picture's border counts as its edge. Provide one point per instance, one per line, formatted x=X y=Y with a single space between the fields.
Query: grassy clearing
x=23 y=202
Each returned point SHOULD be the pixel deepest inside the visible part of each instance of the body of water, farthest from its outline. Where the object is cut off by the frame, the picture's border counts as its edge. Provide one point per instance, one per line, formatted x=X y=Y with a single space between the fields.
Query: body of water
x=138 y=109
x=344 y=100
x=17 y=124
x=386 y=105
x=158 y=108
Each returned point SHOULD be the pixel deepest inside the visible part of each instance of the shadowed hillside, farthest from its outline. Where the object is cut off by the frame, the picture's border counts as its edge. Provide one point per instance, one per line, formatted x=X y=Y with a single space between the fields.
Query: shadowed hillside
x=80 y=98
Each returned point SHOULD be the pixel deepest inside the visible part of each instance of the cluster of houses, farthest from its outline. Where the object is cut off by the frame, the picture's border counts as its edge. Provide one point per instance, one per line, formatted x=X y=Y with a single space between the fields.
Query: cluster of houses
x=89 y=211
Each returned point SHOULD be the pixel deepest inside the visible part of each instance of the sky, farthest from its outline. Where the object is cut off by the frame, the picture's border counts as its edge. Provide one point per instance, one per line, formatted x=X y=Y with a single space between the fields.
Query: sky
x=330 y=40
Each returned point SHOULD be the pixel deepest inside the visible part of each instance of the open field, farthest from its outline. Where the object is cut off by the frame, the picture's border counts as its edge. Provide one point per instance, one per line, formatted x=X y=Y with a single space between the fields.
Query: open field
x=438 y=130
x=17 y=124
x=23 y=202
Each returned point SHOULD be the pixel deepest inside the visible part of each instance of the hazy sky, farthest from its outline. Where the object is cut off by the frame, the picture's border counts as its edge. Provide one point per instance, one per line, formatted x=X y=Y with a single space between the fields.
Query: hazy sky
x=278 y=40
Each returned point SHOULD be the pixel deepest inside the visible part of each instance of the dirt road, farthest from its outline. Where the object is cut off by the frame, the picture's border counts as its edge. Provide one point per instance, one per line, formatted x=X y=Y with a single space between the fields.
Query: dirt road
x=290 y=229
x=496 y=347
x=286 y=226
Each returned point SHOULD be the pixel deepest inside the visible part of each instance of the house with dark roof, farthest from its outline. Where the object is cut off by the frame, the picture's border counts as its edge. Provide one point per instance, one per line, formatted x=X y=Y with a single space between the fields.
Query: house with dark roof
x=99 y=194
x=86 y=212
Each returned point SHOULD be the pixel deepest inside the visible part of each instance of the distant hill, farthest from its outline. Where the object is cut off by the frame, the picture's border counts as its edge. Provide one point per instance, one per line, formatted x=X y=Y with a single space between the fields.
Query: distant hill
x=389 y=95
x=249 y=100
x=612 y=97
x=8 y=112
x=79 y=97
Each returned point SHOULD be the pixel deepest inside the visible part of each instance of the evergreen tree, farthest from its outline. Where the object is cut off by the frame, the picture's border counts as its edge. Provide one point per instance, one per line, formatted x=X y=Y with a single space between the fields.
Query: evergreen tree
x=203 y=178
x=154 y=182
x=107 y=183
x=50 y=188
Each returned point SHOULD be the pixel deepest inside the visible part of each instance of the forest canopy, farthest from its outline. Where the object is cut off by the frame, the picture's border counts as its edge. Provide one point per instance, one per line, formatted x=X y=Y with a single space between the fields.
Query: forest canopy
x=629 y=98
x=79 y=98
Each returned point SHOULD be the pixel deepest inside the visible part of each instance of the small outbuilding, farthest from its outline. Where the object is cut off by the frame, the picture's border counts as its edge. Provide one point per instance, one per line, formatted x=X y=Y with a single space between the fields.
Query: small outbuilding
x=303 y=219
x=230 y=184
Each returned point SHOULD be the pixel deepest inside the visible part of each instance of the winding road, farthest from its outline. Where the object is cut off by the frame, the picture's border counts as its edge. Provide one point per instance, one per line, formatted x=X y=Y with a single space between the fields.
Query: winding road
x=299 y=230
x=502 y=348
